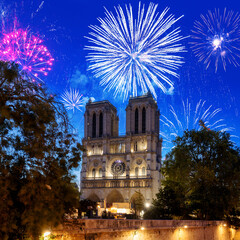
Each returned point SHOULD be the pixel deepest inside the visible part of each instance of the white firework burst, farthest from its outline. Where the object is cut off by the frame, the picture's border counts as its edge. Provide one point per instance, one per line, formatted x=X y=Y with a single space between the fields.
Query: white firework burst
x=216 y=38
x=72 y=99
x=188 y=117
x=127 y=52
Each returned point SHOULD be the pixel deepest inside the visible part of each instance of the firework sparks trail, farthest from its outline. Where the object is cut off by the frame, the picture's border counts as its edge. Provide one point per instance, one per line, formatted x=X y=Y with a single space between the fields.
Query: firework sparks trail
x=27 y=50
x=216 y=38
x=72 y=99
x=188 y=118
x=127 y=52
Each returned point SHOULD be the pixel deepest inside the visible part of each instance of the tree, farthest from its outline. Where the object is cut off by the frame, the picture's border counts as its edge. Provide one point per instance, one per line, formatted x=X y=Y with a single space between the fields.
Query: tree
x=37 y=153
x=137 y=202
x=166 y=203
x=202 y=177
x=87 y=206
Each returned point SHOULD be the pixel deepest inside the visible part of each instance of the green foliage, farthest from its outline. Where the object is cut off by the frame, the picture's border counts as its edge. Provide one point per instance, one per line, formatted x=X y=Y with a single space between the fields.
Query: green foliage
x=37 y=154
x=167 y=202
x=202 y=177
x=137 y=202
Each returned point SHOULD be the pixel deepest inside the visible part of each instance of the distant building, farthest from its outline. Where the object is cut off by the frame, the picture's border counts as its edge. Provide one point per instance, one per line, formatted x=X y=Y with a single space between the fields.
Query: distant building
x=115 y=167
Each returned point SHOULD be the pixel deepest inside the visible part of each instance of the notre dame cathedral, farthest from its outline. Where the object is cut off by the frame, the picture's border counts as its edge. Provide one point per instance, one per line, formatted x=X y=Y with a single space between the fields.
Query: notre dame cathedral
x=115 y=167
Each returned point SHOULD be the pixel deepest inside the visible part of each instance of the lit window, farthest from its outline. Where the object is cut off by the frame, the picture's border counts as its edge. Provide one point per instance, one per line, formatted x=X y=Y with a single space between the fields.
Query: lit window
x=136 y=171
x=100 y=172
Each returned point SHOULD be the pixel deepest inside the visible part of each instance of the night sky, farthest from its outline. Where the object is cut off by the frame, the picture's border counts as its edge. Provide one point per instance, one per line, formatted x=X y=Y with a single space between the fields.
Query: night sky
x=64 y=25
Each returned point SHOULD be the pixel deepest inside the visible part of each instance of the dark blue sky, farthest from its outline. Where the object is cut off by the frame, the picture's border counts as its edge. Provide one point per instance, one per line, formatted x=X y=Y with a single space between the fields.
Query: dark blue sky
x=64 y=25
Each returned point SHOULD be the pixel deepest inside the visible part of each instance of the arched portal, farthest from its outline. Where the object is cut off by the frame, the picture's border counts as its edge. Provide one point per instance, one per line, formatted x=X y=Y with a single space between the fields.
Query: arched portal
x=93 y=197
x=114 y=196
x=137 y=202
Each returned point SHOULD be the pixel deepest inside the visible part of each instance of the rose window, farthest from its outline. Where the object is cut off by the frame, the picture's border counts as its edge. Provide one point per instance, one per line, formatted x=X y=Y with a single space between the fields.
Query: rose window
x=118 y=168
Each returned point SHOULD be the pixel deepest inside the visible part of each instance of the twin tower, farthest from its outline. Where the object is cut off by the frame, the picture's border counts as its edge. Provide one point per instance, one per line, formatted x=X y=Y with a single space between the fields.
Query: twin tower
x=115 y=167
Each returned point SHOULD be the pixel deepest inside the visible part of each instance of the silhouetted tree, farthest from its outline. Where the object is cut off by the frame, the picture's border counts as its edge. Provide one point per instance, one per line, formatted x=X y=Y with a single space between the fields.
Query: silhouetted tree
x=87 y=206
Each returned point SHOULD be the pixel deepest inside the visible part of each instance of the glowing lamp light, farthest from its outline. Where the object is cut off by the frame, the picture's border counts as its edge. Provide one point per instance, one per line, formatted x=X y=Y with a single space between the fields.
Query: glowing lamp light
x=142 y=228
x=224 y=224
x=147 y=205
x=135 y=235
x=185 y=226
x=46 y=234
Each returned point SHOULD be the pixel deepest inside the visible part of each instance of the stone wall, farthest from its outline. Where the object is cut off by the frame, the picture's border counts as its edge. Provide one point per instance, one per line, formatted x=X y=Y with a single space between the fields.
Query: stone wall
x=104 y=229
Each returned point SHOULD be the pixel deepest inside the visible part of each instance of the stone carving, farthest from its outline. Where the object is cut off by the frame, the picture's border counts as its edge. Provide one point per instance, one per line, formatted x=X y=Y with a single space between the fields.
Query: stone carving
x=139 y=161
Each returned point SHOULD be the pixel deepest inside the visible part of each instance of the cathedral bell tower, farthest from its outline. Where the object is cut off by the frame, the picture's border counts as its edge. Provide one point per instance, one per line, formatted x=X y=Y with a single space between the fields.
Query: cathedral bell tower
x=142 y=116
x=101 y=120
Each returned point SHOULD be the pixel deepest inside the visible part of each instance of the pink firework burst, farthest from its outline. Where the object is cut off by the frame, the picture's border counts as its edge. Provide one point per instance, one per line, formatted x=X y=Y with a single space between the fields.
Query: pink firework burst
x=27 y=50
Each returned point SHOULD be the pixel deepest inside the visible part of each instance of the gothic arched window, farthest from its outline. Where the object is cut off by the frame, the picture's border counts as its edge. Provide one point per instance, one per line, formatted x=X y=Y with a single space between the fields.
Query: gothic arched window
x=136 y=171
x=100 y=124
x=94 y=125
x=100 y=172
x=136 y=121
x=111 y=125
x=143 y=120
x=94 y=173
x=143 y=171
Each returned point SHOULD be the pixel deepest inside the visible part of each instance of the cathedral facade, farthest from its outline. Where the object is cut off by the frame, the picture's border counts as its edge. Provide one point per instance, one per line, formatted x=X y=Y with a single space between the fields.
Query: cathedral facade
x=115 y=167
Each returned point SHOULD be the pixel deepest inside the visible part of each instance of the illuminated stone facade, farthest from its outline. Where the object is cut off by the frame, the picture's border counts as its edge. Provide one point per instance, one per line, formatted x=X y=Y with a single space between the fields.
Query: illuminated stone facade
x=115 y=167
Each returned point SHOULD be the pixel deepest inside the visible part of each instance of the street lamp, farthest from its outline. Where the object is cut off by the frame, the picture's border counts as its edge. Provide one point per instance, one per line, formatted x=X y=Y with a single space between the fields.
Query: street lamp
x=147 y=205
x=46 y=234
